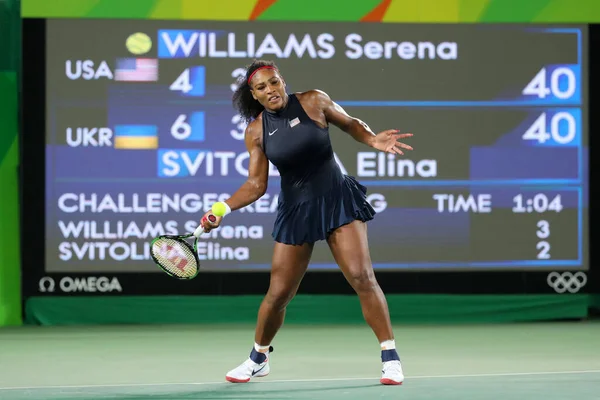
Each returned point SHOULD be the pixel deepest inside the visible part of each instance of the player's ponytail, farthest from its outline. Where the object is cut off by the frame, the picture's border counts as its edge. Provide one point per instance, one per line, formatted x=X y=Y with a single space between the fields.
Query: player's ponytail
x=243 y=102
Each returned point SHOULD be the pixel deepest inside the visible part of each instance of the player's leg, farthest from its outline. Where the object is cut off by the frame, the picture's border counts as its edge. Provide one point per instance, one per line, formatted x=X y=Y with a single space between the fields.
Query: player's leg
x=350 y=249
x=289 y=265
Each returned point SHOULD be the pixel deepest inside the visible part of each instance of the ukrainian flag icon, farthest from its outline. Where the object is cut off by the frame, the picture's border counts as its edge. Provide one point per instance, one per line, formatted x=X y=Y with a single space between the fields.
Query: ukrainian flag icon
x=136 y=137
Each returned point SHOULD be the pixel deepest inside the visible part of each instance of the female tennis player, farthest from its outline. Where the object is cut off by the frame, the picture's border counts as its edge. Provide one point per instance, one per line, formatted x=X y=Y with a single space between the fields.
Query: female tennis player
x=317 y=202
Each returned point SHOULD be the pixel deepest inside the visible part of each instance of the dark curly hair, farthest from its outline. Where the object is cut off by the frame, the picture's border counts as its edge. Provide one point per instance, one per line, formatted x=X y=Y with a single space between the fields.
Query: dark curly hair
x=247 y=106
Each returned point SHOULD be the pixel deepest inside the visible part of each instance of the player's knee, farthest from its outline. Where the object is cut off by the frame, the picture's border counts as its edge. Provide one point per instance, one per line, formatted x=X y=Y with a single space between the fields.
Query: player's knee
x=362 y=279
x=279 y=296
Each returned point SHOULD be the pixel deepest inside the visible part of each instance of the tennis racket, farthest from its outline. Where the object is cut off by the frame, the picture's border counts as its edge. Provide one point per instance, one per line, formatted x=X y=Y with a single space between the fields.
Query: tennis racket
x=176 y=256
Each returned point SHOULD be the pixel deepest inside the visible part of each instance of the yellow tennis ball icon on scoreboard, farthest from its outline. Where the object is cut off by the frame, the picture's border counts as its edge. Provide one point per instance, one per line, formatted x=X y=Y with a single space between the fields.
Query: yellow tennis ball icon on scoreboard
x=138 y=43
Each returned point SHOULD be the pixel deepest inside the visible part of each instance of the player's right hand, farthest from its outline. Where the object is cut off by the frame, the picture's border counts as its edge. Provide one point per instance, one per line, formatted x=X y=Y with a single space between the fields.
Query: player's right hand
x=208 y=224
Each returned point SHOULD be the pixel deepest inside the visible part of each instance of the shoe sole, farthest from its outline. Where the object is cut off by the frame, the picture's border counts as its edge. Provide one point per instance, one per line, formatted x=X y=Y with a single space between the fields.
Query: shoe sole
x=387 y=381
x=236 y=380
x=383 y=381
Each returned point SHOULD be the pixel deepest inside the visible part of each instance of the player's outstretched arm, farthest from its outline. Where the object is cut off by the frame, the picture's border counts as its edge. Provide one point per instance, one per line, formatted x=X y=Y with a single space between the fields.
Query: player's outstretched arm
x=385 y=141
x=337 y=116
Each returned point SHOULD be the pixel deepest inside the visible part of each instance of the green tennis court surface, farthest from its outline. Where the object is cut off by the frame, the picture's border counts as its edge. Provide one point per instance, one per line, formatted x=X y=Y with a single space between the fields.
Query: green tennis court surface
x=520 y=361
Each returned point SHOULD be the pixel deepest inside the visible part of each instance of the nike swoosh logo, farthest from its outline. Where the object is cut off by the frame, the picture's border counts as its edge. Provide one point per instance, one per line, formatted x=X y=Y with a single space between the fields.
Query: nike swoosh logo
x=258 y=370
x=271 y=133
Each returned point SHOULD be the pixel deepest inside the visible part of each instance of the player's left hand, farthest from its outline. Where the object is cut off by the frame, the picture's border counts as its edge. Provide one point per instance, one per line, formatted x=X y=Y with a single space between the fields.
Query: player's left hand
x=388 y=141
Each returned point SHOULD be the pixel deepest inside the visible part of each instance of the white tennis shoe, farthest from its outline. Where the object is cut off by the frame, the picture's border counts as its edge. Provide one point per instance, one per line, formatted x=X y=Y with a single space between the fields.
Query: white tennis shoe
x=391 y=373
x=249 y=369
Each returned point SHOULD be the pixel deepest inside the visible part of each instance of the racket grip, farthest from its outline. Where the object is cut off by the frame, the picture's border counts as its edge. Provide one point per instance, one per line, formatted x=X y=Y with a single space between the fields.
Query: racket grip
x=200 y=229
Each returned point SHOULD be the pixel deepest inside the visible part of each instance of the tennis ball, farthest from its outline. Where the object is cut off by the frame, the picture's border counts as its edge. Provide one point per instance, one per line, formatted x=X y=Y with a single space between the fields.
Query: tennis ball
x=219 y=209
x=138 y=43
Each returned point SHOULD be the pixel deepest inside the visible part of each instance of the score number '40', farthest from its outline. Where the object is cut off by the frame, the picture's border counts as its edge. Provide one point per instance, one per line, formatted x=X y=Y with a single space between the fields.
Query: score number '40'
x=539 y=84
x=539 y=131
x=561 y=84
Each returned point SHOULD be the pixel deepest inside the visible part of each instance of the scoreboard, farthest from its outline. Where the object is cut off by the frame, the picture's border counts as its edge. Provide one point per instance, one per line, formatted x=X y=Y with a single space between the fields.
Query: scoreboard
x=142 y=138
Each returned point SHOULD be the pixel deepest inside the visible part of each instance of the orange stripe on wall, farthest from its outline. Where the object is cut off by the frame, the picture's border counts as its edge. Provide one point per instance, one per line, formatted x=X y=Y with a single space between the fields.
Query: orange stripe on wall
x=260 y=7
x=376 y=14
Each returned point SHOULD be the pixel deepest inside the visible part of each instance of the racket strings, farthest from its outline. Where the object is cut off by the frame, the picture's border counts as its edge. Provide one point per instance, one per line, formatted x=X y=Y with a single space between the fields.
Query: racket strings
x=175 y=257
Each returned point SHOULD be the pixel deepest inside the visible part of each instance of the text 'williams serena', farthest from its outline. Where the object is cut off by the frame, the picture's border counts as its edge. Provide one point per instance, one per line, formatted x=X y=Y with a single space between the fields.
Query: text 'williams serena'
x=221 y=44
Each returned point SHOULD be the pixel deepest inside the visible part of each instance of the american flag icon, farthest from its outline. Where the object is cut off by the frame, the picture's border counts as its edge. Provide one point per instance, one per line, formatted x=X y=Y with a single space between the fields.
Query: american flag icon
x=136 y=70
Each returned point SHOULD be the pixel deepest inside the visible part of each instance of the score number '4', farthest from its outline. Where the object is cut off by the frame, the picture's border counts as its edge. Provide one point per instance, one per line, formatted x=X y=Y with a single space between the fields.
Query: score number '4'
x=182 y=83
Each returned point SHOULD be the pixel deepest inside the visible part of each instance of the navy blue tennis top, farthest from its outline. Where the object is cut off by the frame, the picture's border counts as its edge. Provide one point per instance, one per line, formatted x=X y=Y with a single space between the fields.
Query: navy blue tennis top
x=302 y=152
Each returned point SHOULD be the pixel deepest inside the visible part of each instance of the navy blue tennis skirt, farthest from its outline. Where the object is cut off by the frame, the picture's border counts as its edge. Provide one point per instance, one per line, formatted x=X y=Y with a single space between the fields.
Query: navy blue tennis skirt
x=313 y=220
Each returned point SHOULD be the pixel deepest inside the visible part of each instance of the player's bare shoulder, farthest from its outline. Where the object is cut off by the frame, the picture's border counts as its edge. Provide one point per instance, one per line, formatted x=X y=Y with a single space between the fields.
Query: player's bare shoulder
x=254 y=132
x=315 y=98
x=313 y=95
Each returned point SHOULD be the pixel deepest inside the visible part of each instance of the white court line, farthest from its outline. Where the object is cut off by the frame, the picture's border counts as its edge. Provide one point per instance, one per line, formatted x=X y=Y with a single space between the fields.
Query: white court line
x=593 y=371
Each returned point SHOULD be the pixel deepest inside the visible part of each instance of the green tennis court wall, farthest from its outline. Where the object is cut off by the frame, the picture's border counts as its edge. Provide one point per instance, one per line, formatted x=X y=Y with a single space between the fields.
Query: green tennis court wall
x=595 y=303
x=10 y=293
x=304 y=309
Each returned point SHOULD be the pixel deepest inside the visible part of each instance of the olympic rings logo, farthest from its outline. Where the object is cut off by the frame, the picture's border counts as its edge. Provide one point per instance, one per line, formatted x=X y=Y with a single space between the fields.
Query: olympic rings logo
x=567 y=281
